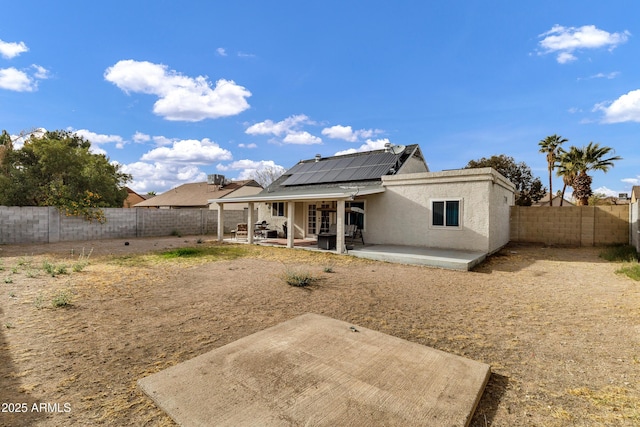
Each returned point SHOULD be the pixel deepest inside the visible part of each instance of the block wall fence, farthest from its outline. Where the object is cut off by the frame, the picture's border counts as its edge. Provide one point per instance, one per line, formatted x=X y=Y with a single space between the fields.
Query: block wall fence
x=48 y=225
x=571 y=225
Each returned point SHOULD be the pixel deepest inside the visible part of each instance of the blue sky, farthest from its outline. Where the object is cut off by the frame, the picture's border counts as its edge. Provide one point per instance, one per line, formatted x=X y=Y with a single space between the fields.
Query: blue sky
x=174 y=91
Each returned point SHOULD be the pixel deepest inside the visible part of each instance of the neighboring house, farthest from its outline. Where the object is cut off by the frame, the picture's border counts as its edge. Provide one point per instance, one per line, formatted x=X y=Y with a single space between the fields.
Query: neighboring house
x=390 y=195
x=555 y=202
x=635 y=193
x=198 y=194
x=133 y=198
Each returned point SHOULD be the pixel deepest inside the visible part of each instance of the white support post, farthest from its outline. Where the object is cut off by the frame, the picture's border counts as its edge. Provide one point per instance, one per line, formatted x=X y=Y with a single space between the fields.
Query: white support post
x=340 y=243
x=220 y=222
x=290 y=225
x=250 y=223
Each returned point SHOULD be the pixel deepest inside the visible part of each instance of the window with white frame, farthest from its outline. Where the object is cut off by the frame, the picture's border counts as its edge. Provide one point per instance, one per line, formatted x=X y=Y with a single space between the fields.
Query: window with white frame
x=278 y=209
x=446 y=213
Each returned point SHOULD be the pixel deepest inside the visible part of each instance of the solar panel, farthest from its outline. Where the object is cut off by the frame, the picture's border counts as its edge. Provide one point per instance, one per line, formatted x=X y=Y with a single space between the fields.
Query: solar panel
x=341 y=169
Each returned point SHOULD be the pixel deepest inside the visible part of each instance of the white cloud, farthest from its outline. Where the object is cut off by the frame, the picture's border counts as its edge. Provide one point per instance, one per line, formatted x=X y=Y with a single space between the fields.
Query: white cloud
x=290 y=128
x=247 y=168
x=160 y=177
x=11 y=49
x=370 y=145
x=269 y=127
x=348 y=134
x=16 y=80
x=606 y=191
x=252 y=145
x=180 y=97
x=624 y=109
x=221 y=51
x=98 y=139
x=565 y=41
x=631 y=181
x=301 y=138
x=20 y=81
x=189 y=151
x=140 y=137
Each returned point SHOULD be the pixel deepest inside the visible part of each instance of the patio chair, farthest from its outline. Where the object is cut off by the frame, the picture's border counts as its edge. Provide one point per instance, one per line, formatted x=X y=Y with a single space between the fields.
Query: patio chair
x=242 y=231
x=352 y=232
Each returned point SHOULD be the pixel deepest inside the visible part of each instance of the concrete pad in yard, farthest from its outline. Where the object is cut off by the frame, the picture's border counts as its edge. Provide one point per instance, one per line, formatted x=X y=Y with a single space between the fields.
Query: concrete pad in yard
x=317 y=371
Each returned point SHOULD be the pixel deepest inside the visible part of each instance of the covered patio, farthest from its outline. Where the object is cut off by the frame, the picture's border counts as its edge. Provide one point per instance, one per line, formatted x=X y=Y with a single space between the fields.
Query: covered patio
x=297 y=223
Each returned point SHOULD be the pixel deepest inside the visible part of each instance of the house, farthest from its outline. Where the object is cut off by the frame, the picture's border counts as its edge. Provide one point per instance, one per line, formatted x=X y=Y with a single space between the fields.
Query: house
x=133 y=198
x=635 y=193
x=554 y=202
x=197 y=194
x=391 y=196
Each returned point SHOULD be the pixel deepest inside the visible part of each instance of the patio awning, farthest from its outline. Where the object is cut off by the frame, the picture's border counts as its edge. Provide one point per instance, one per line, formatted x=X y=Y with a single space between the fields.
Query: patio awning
x=333 y=193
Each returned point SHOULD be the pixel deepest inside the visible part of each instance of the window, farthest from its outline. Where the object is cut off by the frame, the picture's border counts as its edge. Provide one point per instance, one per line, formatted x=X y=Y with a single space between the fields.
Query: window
x=277 y=209
x=445 y=213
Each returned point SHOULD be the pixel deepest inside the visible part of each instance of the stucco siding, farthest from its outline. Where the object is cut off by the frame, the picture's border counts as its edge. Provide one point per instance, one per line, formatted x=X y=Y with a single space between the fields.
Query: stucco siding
x=402 y=215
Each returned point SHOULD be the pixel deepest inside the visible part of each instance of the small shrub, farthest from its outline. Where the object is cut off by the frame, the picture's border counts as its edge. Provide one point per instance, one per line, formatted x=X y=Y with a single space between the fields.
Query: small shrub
x=176 y=233
x=49 y=268
x=39 y=301
x=79 y=266
x=620 y=253
x=62 y=299
x=8 y=279
x=298 y=278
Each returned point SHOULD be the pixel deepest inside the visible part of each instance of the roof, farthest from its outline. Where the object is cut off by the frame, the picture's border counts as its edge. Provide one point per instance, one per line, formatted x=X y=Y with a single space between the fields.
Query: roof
x=337 y=177
x=195 y=194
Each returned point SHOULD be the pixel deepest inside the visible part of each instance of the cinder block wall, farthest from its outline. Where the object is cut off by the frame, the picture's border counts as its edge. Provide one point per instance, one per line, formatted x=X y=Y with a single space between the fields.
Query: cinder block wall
x=48 y=225
x=570 y=225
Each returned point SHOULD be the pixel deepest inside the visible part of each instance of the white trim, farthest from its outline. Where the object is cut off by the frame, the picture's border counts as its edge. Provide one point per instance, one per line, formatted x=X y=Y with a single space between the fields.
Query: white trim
x=318 y=195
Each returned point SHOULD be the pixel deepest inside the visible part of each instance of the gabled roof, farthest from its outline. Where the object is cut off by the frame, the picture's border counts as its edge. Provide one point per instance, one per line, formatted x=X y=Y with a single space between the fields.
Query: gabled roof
x=635 y=193
x=196 y=194
x=340 y=177
x=364 y=167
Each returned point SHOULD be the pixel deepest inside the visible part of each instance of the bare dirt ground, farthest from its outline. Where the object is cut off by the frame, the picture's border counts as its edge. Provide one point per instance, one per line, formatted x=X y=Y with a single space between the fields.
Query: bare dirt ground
x=558 y=326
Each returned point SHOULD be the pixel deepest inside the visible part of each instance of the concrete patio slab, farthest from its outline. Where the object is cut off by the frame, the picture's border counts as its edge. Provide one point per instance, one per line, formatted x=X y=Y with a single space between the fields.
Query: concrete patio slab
x=317 y=371
x=442 y=258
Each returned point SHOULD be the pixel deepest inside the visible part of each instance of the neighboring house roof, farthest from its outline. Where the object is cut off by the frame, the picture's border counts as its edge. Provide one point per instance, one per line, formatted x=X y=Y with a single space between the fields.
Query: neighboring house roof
x=340 y=177
x=196 y=194
x=133 y=198
x=556 y=201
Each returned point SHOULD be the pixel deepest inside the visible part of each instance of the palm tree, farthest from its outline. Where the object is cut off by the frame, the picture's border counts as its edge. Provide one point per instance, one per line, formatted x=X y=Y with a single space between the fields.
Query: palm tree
x=550 y=146
x=574 y=164
x=569 y=165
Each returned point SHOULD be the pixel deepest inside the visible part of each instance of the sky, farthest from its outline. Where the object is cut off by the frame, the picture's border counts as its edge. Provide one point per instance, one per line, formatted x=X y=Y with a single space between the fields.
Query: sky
x=173 y=91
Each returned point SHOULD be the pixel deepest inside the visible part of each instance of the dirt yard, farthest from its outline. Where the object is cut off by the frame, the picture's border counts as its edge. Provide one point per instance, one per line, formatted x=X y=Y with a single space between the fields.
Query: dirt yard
x=560 y=329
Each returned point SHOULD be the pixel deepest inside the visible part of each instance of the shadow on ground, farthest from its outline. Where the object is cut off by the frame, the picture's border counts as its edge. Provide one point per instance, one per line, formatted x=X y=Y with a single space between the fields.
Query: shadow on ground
x=488 y=405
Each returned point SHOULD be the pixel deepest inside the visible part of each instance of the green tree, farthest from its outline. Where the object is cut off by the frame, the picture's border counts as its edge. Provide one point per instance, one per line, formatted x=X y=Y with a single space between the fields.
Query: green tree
x=550 y=146
x=568 y=164
x=57 y=169
x=528 y=189
x=592 y=157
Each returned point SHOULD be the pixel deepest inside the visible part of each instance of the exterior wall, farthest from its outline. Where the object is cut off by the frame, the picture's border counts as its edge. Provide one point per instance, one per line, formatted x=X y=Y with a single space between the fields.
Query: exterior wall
x=402 y=214
x=47 y=225
x=634 y=217
x=573 y=225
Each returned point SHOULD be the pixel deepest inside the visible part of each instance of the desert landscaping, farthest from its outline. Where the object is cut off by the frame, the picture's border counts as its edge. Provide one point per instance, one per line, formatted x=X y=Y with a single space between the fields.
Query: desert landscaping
x=83 y=321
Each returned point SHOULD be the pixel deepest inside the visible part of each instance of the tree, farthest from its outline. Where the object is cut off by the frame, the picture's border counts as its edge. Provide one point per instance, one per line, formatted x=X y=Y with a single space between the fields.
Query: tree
x=568 y=164
x=592 y=158
x=528 y=189
x=57 y=169
x=550 y=146
x=267 y=174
